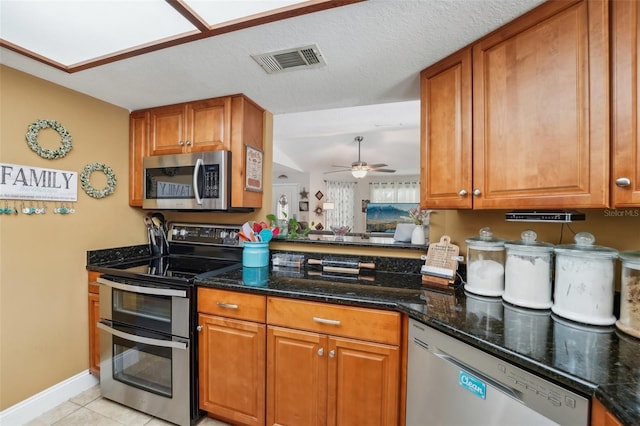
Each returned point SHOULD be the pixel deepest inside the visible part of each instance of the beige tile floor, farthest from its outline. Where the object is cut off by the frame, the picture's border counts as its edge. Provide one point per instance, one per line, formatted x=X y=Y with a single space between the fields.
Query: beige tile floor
x=90 y=408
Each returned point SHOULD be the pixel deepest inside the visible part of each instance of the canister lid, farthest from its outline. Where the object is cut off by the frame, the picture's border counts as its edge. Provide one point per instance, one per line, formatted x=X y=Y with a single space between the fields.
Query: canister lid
x=485 y=239
x=631 y=258
x=584 y=247
x=528 y=243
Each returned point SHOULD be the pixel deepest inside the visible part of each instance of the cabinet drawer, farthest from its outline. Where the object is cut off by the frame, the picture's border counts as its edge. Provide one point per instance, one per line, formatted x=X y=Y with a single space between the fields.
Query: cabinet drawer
x=231 y=304
x=347 y=321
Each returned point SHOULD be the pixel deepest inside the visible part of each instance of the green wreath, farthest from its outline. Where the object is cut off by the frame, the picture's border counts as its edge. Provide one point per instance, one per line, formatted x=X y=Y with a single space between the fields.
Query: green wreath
x=32 y=139
x=86 y=183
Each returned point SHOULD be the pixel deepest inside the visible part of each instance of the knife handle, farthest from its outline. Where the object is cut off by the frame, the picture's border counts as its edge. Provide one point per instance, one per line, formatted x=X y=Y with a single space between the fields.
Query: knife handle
x=314 y=261
x=369 y=265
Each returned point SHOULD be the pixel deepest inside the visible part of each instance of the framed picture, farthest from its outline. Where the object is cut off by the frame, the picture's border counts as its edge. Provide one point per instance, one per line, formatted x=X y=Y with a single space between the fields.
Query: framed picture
x=253 y=169
x=319 y=227
x=319 y=195
x=303 y=206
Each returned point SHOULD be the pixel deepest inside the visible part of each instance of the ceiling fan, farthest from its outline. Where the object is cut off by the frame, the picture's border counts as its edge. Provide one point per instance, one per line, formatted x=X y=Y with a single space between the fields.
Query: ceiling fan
x=359 y=169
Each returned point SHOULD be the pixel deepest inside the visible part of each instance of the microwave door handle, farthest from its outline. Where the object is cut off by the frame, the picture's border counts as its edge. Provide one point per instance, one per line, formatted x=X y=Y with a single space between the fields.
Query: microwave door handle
x=196 y=173
x=141 y=339
x=143 y=290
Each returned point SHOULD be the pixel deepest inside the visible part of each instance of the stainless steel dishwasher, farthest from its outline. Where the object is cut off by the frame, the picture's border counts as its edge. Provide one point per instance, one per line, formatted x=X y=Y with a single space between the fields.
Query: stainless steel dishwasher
x=452 y=383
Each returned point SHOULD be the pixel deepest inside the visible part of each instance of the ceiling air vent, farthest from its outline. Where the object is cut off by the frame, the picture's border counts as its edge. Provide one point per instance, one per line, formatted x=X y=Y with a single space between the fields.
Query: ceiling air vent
x=290 y=59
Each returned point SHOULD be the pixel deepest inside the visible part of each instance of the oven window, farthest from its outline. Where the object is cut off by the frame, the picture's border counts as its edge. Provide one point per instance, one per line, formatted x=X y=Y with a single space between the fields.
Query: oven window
x=143 y=366
x=148 y=311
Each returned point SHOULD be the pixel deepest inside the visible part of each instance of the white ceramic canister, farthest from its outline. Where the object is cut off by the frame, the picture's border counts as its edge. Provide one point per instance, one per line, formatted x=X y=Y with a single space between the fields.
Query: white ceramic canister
x=528 y=270
x=629 y=321
x=584 y=281
x=485 y=264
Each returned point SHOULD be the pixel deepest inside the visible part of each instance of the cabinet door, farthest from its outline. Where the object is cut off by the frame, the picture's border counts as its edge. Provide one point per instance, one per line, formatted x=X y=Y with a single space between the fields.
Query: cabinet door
x=209 y=125
x=625 y=175
x=600 y=416
x=232 y=369
x=445 y=145
x=167 y=133
x=363 y=383
x=138 y=148
x=94 y=335
x=296 y=377
x=541 y=109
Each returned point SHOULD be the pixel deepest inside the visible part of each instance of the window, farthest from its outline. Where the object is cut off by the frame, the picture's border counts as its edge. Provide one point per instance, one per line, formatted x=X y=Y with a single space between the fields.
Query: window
x=342 y=196
x=394 y=192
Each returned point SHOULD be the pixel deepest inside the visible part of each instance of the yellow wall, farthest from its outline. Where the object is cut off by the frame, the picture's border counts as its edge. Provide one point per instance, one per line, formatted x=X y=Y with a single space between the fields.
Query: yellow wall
x=43 y=282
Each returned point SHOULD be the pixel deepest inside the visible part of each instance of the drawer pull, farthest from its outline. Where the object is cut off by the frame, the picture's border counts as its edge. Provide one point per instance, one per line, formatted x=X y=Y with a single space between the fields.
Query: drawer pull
x=326 y=321
x=228 y=305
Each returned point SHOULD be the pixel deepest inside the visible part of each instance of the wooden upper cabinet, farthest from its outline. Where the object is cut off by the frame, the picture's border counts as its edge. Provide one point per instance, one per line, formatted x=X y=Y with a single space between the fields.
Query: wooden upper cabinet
x=446 y=138
x=192 y=127
x=138 y=146
x=541 y=110
x=167 y=130
x=210 y=125
x=625 y=111
x=247 y=129
x=227 y=123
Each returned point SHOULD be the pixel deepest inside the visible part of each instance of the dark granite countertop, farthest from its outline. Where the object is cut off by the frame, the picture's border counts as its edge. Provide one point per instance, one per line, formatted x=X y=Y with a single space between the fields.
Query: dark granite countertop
x=590 y=360
x=600 y=361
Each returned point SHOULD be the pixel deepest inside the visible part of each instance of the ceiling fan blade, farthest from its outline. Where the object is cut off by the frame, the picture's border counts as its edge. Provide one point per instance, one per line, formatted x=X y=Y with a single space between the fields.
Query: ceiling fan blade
x=337 y=171
x=383 y=170
x=375 y=166
x=343 y=167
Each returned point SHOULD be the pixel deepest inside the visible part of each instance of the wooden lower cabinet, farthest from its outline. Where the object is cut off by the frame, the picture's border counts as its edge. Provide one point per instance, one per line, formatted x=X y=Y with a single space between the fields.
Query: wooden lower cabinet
x=600 y=416
x=232 y=370
x=316 y=378
x=278 y=361
x=231 y=352
x=94 y=317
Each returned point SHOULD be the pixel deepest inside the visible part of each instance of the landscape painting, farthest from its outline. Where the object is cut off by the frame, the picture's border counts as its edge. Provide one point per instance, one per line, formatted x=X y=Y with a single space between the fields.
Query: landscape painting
x=383 y=217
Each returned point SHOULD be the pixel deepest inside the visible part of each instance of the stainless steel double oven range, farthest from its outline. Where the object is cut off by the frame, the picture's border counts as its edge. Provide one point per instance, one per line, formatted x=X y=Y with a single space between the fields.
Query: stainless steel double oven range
x=148 y=339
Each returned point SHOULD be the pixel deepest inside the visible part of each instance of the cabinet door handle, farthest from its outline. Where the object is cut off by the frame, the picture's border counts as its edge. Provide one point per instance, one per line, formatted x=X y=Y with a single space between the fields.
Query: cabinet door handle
x=623 y=182
x=326 y=321
x=188 y=143
x=462 y=192
x=180 y=143
x=321 y=352
x=332 y=354
x=477 y=192
x=199 y=328
x=227 y=305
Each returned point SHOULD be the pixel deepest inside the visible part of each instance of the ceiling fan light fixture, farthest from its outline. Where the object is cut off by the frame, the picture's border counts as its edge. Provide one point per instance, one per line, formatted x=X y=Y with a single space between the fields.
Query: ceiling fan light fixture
x=358 y=173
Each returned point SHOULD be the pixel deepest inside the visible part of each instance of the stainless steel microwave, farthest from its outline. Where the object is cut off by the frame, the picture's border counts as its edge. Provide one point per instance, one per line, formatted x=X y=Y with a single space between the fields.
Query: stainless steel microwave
x=194 y=181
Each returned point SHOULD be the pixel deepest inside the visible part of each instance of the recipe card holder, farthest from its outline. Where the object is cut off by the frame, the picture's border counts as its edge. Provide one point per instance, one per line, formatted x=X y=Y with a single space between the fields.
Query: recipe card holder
x=441 y=263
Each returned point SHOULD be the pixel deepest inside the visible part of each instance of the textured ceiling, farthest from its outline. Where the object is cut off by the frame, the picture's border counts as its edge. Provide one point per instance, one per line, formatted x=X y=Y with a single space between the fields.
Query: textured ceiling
x=374 y=52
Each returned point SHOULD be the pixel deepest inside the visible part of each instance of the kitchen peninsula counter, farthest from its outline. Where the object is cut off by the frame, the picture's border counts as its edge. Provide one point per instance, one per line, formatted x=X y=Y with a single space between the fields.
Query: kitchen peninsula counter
x=598 y=361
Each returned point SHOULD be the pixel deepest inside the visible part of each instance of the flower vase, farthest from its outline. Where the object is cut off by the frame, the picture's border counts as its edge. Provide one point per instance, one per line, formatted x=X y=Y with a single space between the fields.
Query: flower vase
x=417 y=236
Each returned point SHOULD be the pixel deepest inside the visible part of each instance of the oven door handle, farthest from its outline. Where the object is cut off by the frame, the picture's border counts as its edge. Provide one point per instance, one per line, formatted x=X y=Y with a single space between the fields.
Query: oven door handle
x=196 y=172
x=143 y=290
x=140 y=339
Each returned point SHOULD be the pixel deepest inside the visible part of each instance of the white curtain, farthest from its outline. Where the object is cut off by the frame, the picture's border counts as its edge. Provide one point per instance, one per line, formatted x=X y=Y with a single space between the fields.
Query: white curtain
x=342 y=195
x=395 y=192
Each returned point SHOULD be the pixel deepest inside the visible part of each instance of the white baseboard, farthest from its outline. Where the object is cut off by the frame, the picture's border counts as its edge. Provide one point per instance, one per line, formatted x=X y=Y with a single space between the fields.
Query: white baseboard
x=44 y=401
